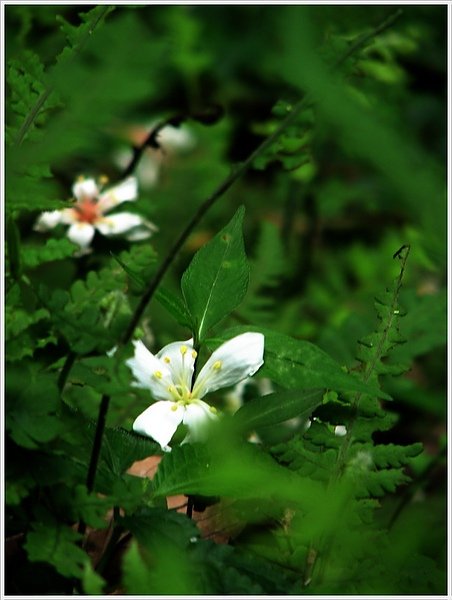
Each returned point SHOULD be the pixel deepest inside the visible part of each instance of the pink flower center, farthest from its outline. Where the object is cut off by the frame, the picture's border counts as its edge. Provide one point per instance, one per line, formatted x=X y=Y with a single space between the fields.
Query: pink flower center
x=87 y=210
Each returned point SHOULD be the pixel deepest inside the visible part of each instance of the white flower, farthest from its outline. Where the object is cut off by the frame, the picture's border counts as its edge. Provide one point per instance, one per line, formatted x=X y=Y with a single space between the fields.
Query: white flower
x=168 y=375
x=172 y=141
x=89 y=213
x=340 y=430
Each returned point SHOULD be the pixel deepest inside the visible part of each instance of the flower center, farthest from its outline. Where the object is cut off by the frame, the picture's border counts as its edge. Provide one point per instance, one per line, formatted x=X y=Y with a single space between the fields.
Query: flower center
x=181 y=394
x=87 y=210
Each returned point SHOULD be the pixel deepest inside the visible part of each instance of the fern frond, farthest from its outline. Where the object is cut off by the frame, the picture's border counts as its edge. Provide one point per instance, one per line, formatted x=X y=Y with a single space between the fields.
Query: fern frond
x=267 y=269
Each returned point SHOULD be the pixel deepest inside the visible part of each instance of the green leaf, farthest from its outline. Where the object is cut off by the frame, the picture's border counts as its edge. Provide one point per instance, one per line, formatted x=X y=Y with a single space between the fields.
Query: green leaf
x=53 y=249
x=13 y=245
x=229 y=468
x=152 y=525
x=268 y=267
x=93 y=584
x=278 y=407
x=32 y=401
x=175 y=306
x=137 y=575
x=121 y=448
x=164 y=537
x=299 y=364
x=55 y=543
x=217 y=278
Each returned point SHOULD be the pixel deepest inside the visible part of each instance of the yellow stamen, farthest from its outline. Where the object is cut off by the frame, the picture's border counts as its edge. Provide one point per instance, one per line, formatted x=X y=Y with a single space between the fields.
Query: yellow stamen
x=217 y=365
x=183 y=350
x=194 y=354
x=158 y=374
x=81 y=178
x=171 y=389
x=174 y=407
x=213 y=410
x=103 y=180
x=167 y=359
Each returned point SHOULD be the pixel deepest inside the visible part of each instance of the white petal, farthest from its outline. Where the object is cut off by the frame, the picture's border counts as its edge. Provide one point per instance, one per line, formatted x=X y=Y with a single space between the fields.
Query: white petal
x=197 y=417
x=175 y=139
x=179 y=358
x=119 y=223
x=69 y=216
x=138 y=234
x=85 y=188
x=340 y=430
x=124 y=192
x=150 y=372
x=148 y=171
x=233 y=361
x=142 y=232
x=160 y=421
x=81 y=234
x=48 y=220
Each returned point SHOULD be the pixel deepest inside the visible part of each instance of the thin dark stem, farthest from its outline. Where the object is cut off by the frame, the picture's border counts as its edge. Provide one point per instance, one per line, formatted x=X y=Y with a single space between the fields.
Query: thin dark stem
x=190 y=507
x=70 y=359
x=205 y=206
x=151 y=141
x=368 y=36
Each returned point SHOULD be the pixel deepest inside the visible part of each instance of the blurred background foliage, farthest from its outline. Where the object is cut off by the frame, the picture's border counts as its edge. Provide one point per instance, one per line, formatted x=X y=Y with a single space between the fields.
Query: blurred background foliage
x=359 y=174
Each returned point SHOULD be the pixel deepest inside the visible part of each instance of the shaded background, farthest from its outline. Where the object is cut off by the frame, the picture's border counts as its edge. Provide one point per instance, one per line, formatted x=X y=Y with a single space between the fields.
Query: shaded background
x=327 y=207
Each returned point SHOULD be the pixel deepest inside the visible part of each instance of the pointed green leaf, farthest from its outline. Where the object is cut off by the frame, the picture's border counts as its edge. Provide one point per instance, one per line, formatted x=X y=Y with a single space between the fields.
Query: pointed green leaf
x=217 y=278
x=278 y=407
x=175 y=306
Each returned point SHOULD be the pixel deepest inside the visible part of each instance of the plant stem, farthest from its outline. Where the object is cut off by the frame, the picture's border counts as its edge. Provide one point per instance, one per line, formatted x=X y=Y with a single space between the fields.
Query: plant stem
x=70 y=359
x=202 y=210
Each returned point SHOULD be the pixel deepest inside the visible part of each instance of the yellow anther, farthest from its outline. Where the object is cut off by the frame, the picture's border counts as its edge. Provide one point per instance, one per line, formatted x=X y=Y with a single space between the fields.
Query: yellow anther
x=167 y=359
x=174 y=407
x=81 y=178
x=103 y=180
x=213 y=410
x=158 y=374
x=171 y=389
x=194 y=354
x=183 y=350
x=217 y=365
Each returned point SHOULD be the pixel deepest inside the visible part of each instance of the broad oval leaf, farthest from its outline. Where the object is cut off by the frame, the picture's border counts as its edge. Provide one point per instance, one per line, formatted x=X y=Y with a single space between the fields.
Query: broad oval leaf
x=216 y=280
x=278 y=407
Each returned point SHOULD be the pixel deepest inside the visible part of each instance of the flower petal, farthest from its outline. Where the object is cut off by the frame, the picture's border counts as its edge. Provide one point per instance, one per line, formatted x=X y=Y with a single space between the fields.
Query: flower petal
x=180 y=360
x=160 y=421
x=81 y=234
x=150 y=372
x=197 y=417
x=174 y=139
x=48 y=220
x=233 y=361
x=124 y=192
x=119 y=223
x=85 y=188
x=142 y=232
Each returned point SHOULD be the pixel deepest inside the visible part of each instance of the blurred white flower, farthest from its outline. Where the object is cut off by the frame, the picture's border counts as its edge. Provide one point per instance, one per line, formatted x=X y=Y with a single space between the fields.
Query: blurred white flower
x=340 y=430
x=90 y=213
x=173 y=141
x=168 y=375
